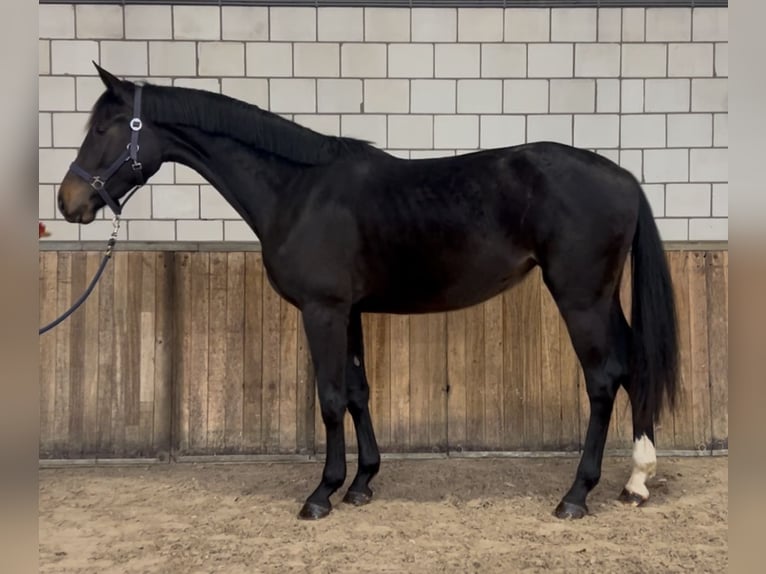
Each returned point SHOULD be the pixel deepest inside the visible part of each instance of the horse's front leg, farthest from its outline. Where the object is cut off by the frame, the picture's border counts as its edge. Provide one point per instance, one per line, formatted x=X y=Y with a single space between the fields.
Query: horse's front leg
x=326 y=331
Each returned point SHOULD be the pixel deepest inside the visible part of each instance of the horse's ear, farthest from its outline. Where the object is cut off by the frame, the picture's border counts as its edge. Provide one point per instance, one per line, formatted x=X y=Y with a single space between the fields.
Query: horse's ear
x=112 y=83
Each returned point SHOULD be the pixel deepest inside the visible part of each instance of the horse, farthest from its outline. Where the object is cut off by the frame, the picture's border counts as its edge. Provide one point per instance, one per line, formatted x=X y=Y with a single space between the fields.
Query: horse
x=347 y=228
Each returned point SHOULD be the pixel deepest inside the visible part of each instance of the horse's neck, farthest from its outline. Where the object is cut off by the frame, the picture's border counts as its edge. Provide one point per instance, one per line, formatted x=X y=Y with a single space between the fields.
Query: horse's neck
x=248 y=180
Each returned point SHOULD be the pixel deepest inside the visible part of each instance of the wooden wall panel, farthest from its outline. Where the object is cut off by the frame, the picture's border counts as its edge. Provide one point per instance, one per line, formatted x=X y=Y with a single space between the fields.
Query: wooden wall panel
x=206 y=333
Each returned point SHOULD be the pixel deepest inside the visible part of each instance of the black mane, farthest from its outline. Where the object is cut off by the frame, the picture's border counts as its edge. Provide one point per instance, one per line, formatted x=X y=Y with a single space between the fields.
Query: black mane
x=247 y=123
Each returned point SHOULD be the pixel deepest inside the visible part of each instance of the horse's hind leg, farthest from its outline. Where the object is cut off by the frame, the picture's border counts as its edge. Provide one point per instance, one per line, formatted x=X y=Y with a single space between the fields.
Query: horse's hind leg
x=358 y=405
x=595 y=335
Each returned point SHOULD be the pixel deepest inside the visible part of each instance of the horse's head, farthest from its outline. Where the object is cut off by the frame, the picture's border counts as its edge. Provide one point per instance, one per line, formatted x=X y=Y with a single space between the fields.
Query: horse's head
x=120 y=150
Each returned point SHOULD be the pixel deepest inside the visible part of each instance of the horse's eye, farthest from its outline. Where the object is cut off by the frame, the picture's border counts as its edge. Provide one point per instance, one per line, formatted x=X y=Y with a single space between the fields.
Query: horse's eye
x=100 y=129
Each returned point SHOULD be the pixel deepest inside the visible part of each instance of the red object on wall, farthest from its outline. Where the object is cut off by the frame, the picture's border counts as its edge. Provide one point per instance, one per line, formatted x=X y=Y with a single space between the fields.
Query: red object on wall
x=42 y=231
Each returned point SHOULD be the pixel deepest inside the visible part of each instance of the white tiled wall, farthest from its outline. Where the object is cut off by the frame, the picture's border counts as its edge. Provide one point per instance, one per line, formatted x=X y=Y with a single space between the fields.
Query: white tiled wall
x=645 y=87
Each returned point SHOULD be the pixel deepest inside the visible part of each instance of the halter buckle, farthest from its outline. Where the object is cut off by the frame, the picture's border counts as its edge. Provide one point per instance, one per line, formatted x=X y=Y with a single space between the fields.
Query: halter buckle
x=97 y=183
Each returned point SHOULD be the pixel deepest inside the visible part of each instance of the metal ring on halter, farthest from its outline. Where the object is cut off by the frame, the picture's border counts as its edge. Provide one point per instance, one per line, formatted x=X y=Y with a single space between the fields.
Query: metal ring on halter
x=97 y=183
x=136 y=124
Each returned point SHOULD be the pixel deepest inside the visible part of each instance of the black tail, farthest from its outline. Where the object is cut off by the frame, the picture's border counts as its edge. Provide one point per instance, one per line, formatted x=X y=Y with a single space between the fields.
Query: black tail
x=653 y=321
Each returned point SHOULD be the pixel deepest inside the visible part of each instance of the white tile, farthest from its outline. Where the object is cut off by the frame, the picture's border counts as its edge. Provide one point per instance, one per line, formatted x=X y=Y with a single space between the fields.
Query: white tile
x=457 y=60
x=497 y=131
x=221 y=59
x=269 y=59
x=44 y=130
x=166 y=174
x=54 y=164
x=56 y=93
x=597 y=60
x=172 y=58
x=722 y=60
x=451 y=132
x=720 y=200
x=644 y=60
x=555 y=128
x=317 y=60
x=125 y=58
x=633 y=161
x=368 y=127
x=248 y=23
x=339 y=96
x=328 y=124
x=364 y=60
x=336 y=24
x=209 y=84
x=607 y=96
x=43 y=57
x=139 y=230
x=666 y=165
x=690 y=60
x=186 y=175
x=386 y=96
x=574 y=24
x=569 y=96
x=609 y=24
x=709 y=164
x=410 y=61
x=69 y=129
x=94 y=21
x=292 y=95
x=709 y=229
x=687 y=200
x=431 y=153
x=199 y=231
x=479 y=96
x=62 y=231
x=89 y=89
x=610 y=154
x=690 y=130
x=410 y=131
x=549 y=60
x=293 y=23
x=98 y=230
x=46 y=201
x=632 y=96
x=250 y=90
x=644 y=130
x=668 y=24
x=503 y=60
x=432 y=96
x=721 y=130
x=525 y=96
x=138 y=207
x=400 y=153
x=633 y=20
x=175 y=202
x=666 y=95
x=386 y=24
x=434 y=24
x=710 y=95
x=214 y=206
x=149 y=22
x=55 y=21
x=527 y=24
x=196 y=22
x=655 y=194
x=673 y=229
x=597 y=131
x=480 y=25
x=238 y=231
x=74 y=57
x=711 y=24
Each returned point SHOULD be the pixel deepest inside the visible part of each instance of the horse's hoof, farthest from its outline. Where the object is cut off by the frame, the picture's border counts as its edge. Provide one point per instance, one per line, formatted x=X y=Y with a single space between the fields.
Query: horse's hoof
x=631 y=498
x=313 y=511
x=569 y=510
x=357 y=498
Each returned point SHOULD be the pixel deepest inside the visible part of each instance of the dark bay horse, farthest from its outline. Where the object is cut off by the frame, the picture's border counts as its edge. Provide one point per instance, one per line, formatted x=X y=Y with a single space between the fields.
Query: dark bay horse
x=347 y=229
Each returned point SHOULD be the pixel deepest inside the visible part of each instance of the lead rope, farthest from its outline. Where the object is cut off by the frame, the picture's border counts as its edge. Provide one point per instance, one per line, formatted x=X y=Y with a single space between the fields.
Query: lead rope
x=107 y=256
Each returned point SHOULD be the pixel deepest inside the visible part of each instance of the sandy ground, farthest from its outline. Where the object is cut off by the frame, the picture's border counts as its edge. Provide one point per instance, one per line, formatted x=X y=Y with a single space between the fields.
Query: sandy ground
x=485 y=515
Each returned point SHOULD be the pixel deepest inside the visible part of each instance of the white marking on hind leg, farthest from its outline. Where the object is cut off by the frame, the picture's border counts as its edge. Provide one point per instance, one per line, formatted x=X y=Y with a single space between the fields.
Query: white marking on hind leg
x=644 y=466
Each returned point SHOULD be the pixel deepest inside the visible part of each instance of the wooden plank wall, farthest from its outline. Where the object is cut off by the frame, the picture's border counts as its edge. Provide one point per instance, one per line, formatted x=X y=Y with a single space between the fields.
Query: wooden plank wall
x=195 y=353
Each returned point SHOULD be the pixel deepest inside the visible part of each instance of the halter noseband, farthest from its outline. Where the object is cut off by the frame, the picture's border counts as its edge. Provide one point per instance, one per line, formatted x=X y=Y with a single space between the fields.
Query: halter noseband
x=98 y=182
